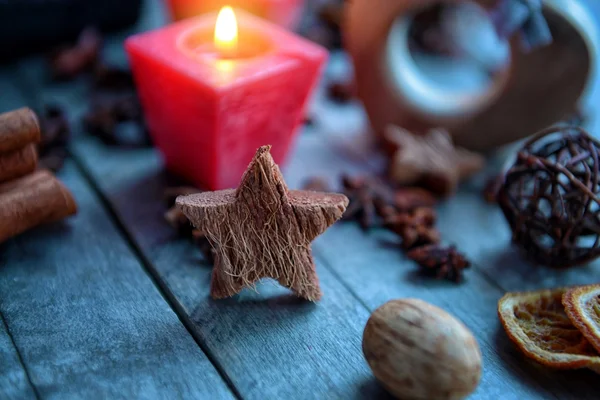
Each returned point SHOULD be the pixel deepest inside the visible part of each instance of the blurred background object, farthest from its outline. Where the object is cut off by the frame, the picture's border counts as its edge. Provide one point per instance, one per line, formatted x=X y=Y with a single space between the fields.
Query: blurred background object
x=27 y=26
x=286 y=13
x=487 y=88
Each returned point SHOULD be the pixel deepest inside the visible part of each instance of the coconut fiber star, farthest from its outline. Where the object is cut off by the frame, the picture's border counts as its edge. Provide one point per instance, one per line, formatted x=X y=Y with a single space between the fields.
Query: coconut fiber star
x=263 y=230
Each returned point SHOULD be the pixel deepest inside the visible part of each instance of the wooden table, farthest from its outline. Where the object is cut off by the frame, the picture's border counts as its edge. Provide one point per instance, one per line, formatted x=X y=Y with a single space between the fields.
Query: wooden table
x=111 y=304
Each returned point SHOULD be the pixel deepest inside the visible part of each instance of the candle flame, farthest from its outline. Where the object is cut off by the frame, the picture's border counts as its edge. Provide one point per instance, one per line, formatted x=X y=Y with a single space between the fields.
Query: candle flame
x=226 y=31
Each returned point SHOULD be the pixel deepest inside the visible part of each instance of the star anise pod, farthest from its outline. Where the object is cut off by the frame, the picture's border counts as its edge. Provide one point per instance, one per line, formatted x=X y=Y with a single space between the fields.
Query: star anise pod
x=364 y=195
x=182 y=225
x=415 y=228
x=441 y=262
x=107 y=111
x=409 y=198
x=56 y=134
x=68 y=62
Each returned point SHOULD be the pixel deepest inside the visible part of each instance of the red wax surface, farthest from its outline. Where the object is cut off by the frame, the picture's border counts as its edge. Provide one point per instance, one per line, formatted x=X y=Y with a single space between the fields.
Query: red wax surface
x=208 y=116
x=286 y=13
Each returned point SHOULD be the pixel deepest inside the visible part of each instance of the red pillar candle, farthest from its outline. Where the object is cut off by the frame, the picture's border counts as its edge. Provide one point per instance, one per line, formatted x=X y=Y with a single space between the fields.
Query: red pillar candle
x=211 y=101
x=286 y=13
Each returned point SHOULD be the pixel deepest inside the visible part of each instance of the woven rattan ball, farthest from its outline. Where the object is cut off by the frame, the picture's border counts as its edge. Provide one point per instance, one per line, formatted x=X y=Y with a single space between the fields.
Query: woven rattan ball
x=550 y=197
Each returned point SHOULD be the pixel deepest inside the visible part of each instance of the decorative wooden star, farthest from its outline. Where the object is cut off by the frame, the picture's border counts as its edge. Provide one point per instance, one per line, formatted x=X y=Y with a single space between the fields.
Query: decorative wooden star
x=263 y=230
x=430 y=160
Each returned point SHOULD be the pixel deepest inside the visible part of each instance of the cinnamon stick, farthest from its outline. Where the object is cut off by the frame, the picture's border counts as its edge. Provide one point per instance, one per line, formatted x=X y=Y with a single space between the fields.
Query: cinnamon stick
x=18 y=163
x=18 y=128
x=32 y=200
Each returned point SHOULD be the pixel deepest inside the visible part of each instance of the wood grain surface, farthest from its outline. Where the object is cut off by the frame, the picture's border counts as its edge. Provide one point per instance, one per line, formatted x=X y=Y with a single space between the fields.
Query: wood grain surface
x=267 y=342
x=88 y=321
x=113 y=304
x=14 y=382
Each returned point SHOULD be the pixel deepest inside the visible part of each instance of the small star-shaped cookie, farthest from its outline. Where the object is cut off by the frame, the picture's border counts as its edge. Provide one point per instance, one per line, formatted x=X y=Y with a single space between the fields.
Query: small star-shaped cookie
x=430 y=160
x=263 y=230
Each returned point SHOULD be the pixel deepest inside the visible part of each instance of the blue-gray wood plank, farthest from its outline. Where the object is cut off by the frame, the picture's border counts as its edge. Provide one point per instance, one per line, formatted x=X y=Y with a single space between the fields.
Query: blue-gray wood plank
x=271 y=345
x=14 y=383
x=373 y=273
x=376 y=271
x=88 y=321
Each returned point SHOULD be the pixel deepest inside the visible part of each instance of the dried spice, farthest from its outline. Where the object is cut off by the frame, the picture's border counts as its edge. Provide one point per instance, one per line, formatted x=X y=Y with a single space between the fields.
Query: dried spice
x=419 y=351
x=430 y=160
x=415 y=228
x=56 y=132
x=31 y=200
x=18 y=128
x=409 y=198
x=182 y=225
x=408 y=212
x=582 y=306
x=19 y=134
x=115 y=114
x=341 y=92
x=108 y=112
x=27 y=198
x=364 y=194
x=537 y=323
x=550 y=197
x=441 y=262
x=263 y=230
x=67 y=63
x=18 y=163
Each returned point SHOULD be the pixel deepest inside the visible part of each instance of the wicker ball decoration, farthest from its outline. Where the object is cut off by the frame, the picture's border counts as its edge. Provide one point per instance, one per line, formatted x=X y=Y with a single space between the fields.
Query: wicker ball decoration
x=550 y=197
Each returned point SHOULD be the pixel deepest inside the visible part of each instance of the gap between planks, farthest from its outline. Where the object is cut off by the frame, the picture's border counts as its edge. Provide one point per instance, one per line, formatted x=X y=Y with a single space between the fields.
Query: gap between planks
x=342 y=149
x=20 y=358
x=156 y=279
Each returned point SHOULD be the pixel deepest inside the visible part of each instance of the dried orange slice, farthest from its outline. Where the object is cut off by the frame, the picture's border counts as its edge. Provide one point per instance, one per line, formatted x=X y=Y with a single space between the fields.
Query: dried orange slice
x=582 y=305
x=537 y=323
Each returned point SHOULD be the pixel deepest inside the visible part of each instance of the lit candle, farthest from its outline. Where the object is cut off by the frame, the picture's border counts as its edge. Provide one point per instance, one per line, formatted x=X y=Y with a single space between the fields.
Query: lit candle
x=226 y=33
x=283 y=12
x=211 y=97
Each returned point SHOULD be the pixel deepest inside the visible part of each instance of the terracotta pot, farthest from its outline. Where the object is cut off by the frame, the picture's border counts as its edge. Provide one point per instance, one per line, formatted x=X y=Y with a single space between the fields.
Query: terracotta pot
x=534 y=90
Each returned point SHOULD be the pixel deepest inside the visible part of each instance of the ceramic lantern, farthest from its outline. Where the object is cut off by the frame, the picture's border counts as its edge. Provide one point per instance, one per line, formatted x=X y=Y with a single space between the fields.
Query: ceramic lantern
x=505 y=92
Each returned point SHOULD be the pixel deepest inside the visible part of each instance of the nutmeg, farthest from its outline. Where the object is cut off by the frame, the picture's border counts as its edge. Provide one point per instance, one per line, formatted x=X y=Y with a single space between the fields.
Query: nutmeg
x=419 y=351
